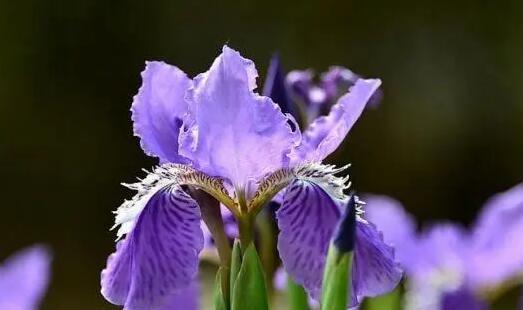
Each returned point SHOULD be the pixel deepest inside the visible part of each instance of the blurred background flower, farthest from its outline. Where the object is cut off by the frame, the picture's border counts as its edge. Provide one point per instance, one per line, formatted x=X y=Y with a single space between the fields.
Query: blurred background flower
x=24 y=278
x=446 y=135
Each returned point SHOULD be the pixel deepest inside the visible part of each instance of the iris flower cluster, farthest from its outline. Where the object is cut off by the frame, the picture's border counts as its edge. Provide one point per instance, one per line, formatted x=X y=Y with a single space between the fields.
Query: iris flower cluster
x=448 y=266
x=220 y=143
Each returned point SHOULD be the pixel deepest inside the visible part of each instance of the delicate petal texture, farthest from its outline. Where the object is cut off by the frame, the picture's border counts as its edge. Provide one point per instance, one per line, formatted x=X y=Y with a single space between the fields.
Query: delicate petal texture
x=307 y=219
x=185 y=299
x=159 y=256
x=326 y=133
x=374 y=270
x=24 y=278
x=116 y=278
x=158 y=109
x=230 y=131
x=497 y=238
x=398 y=227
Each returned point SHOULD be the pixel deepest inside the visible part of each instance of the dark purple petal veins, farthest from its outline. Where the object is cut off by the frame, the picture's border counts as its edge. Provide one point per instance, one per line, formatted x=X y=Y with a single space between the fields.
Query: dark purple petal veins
x=374 y=270
x=159 y=256
x=307 y=219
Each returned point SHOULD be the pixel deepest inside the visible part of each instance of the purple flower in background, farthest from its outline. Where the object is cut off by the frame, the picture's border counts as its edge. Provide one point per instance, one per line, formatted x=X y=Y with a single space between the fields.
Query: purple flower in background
x=215 y=133
x=316 y=99
x=496 y=237
x=24 y=278
x=448 y=266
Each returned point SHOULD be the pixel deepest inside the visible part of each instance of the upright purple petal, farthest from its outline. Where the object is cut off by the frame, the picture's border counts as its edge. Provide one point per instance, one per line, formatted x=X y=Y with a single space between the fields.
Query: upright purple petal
x=307 y=219
x=159 y=256
x=374 y=270
x=158 y=109
x=326 y=133
x=24 y=278
x=398 y=227
x=497 y=238
x=231 y=131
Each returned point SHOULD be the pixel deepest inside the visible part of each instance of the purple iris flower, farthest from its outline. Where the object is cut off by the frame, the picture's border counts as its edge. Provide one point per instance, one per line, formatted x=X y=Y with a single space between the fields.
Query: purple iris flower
x=449 y=267
x=24 y=278
x=215 y=133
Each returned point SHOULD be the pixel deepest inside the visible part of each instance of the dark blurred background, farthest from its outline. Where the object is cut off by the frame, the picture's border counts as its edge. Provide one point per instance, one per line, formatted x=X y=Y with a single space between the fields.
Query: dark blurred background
x=449 y=132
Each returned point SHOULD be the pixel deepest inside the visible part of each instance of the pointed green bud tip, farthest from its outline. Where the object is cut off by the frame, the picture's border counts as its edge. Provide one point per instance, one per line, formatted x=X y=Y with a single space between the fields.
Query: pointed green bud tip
x=345 y=236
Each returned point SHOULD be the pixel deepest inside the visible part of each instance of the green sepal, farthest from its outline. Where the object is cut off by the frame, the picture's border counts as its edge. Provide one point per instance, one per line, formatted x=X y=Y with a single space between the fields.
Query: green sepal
x=249 y=290
x=219 y=300
x=335 y=287
x=296 y=296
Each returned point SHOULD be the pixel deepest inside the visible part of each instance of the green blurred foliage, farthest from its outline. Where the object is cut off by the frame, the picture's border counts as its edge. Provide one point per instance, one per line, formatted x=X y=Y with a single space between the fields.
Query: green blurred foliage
x=447 y=136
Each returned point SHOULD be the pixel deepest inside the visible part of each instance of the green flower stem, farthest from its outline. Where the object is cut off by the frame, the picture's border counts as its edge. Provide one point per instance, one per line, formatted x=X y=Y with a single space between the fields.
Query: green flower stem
x=211 y=215
x=265 y=226
x=245 y=227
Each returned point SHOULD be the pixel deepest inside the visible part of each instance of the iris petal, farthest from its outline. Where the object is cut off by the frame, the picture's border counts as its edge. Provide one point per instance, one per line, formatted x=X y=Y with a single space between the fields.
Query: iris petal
x=398 y=227
x=159 y=256
x=24 y=278
x=158 y=108
x=326 y=133
x=230 y=131
x=374 y=271
x=307 y=219
x=497 y=238
x=186 y=299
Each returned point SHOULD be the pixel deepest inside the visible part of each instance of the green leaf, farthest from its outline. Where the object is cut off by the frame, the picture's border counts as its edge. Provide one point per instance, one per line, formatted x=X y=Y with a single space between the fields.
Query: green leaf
x=390 y=301
x=236 y=262
x=219 y=300
x=249 y=290
x=296 y=296
x=335 y=287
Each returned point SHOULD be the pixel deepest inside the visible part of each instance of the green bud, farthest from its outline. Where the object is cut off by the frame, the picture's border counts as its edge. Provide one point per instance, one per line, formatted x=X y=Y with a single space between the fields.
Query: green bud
x=248 y=288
